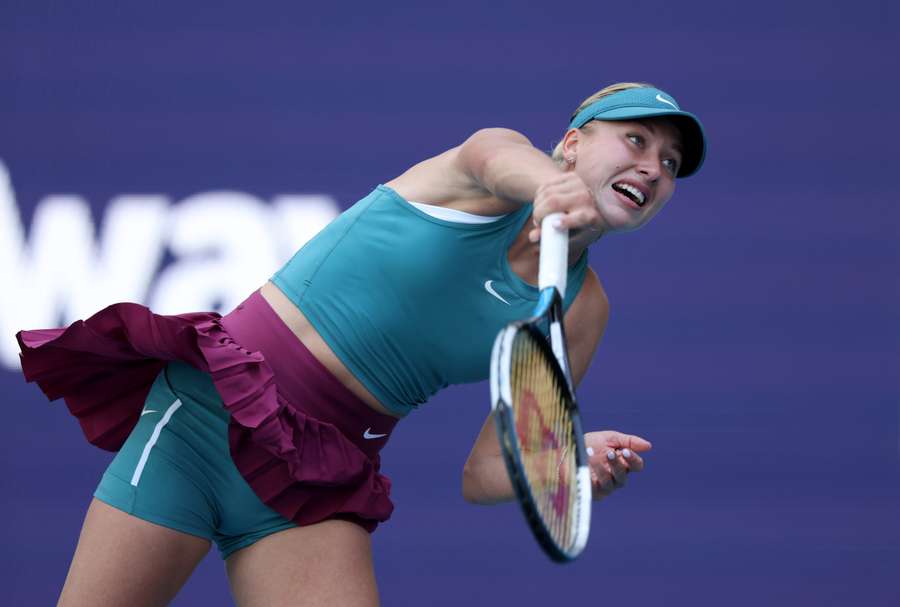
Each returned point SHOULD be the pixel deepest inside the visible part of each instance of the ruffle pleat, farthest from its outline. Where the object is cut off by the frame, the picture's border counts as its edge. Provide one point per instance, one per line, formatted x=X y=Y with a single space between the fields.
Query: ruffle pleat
x=103 y=368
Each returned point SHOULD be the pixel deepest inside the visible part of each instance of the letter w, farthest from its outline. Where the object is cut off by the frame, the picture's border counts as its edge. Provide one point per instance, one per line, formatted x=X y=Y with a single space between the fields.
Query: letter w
x=62 y=274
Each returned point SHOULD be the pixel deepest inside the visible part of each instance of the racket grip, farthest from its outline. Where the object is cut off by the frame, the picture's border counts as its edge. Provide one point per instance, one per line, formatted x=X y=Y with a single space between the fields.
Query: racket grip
x=554 y=260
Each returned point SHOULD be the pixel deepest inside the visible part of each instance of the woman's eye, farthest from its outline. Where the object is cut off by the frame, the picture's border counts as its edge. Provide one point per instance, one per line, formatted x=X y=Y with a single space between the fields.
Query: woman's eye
x=636 y=140
x=671 y=165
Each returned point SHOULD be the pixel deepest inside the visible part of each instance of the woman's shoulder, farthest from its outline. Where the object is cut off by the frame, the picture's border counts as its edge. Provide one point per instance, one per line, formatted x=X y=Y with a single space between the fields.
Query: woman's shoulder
x=445 y=180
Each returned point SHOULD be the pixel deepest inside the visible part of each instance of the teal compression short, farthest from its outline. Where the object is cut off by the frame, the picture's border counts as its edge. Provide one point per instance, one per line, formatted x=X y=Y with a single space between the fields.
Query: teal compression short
x=176 y=470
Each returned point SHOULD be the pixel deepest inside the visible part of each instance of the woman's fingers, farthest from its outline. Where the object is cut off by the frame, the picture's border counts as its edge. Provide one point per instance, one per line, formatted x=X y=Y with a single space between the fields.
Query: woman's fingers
x=618 y=468
x=579 y=217
x=606 y=474
x=566 y=194
x=601 y=483
x=620 y=440
x=635 y=461
x=610 y=468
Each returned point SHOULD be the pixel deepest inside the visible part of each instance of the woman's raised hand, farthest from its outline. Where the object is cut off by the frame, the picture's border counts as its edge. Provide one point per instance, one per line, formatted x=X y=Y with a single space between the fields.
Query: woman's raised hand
x=568 y=194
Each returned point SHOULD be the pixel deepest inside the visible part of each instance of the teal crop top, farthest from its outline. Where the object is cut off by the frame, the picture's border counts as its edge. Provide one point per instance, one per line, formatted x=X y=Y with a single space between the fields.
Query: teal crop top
x=408 y=302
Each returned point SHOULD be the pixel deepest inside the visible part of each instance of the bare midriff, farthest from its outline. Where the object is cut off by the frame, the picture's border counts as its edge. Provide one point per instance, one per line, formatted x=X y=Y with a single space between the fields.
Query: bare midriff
x=309 y=337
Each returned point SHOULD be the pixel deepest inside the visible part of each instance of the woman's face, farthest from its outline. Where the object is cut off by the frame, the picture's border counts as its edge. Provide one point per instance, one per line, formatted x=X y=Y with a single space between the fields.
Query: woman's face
x=629 y=166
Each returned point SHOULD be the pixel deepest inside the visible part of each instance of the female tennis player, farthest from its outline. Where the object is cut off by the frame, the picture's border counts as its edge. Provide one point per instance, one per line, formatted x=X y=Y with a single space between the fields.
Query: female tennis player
x=260 y=431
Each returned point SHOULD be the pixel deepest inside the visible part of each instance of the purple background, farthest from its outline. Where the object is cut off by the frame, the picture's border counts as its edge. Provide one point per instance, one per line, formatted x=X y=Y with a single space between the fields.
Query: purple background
x=754 y=328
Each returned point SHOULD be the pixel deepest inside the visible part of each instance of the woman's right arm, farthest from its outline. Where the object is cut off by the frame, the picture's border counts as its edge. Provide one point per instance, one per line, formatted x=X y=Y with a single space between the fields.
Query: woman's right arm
x=493 y=172
x=505 y=163
x=496 y=171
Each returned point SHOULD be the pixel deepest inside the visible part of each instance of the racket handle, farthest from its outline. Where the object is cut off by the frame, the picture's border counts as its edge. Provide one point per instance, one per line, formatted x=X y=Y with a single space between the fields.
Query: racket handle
x=554 y=260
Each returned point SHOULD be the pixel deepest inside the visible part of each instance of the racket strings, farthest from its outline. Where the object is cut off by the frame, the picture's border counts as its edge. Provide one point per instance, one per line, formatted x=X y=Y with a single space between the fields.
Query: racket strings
x=544 y=430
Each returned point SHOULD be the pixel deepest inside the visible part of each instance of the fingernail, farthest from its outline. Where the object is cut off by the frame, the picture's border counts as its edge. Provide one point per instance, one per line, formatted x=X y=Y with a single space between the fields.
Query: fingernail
x=626 y=452
x=590 y=451
x=557 y=223
x=610 y=455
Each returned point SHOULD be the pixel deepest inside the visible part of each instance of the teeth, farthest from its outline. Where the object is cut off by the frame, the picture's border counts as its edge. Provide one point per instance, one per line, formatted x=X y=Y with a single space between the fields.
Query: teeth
x=635 y=193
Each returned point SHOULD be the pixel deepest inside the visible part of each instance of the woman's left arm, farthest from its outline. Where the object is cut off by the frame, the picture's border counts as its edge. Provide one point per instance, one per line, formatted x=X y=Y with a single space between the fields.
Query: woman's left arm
x=485 y=480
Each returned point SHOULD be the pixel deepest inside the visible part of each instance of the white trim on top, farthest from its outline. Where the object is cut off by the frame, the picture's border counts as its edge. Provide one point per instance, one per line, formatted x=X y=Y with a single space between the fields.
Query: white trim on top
x=454 y=215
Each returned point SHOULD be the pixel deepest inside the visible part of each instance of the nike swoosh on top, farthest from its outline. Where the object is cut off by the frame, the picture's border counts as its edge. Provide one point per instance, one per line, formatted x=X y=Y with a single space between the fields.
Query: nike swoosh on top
x=660 y=98
x=490 y=289
x=146 y=411
x=368 y=434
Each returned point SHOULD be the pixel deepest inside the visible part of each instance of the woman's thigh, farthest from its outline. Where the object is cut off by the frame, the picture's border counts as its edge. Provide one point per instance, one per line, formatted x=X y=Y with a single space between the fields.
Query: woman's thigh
x=124 y=560
x=329 y=563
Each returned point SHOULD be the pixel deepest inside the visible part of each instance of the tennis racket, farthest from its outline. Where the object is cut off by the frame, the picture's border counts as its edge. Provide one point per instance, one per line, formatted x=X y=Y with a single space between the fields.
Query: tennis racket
x=533 y=401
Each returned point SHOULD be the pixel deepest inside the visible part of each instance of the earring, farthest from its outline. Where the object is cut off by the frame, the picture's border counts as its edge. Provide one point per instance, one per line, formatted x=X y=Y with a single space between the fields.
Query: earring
x=570 y=160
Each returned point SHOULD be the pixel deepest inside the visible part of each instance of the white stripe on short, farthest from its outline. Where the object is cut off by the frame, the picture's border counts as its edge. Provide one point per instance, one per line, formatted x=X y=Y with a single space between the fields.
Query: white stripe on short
x=135 y=479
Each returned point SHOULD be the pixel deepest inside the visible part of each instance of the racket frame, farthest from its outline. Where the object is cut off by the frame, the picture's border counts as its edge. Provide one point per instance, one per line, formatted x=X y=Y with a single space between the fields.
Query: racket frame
x=549 y=310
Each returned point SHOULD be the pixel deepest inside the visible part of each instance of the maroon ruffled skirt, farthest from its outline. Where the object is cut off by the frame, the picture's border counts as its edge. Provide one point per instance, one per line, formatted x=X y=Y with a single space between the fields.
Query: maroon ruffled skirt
x=299 y=437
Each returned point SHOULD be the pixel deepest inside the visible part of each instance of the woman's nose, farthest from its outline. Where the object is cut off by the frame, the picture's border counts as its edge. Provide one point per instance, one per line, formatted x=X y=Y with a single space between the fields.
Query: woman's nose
x=651 y=170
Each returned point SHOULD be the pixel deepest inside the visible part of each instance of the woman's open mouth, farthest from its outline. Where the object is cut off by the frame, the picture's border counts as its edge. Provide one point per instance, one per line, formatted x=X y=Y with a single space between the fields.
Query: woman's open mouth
x=630 y=192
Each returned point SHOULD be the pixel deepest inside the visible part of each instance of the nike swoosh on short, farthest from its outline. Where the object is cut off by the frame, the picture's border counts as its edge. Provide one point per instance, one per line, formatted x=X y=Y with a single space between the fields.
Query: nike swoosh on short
x=368 y=434
x=490 y=289
x=146 y=411
x=660 y=98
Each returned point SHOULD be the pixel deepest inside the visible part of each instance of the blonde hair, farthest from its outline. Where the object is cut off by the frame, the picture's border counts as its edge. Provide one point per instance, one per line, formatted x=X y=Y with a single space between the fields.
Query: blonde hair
x=557 y=154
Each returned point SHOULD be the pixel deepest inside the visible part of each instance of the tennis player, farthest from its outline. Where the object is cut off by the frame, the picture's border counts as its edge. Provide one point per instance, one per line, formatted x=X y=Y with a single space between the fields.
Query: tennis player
x=261 y=431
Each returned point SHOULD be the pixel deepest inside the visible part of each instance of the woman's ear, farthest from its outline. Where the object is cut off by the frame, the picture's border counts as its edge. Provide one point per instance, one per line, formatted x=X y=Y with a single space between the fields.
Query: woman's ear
x=570 y=145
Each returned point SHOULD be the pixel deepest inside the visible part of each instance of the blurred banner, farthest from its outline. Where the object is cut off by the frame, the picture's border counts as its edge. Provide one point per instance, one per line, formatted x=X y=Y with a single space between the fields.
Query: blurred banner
x=219 y=246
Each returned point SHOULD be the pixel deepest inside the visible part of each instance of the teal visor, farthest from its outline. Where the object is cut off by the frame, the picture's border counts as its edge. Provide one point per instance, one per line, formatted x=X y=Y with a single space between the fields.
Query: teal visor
x=646 y=102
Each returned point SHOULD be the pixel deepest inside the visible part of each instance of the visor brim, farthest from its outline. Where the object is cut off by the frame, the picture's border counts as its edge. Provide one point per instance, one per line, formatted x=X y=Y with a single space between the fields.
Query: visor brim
x=693 y=137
